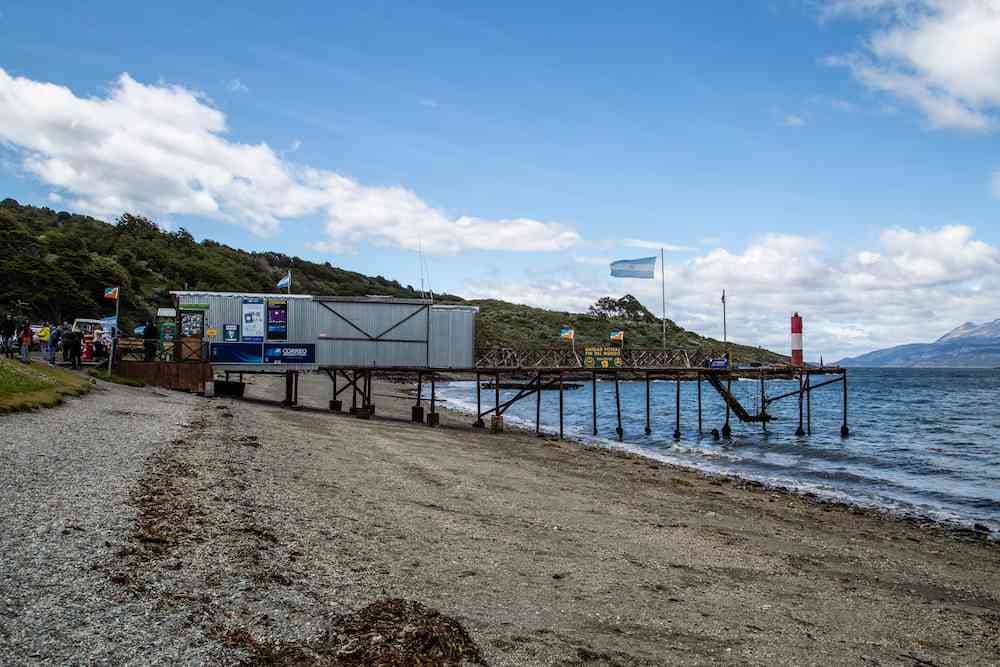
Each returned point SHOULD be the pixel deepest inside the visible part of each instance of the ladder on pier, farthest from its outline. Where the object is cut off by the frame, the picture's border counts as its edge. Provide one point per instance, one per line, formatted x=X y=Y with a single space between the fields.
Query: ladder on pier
x=734 y=403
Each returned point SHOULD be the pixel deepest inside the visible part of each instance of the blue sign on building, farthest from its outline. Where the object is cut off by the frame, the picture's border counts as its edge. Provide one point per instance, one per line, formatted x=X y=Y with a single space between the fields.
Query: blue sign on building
x=236 y=353
x=289 y=353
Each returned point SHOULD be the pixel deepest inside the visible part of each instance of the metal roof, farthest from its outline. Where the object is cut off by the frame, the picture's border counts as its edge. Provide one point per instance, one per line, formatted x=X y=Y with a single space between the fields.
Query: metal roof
x=265 y=295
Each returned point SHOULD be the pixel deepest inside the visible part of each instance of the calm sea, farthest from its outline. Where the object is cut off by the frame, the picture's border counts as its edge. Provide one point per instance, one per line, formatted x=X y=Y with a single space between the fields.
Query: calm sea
x=923 y=441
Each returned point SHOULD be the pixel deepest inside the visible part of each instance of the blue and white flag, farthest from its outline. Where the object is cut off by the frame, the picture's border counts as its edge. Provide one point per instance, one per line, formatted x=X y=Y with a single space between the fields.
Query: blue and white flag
x=644 y=267
x=286 y=281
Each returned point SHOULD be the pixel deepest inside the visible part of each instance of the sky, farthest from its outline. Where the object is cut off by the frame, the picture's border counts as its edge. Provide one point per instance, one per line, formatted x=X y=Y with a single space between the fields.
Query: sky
x=835 y=158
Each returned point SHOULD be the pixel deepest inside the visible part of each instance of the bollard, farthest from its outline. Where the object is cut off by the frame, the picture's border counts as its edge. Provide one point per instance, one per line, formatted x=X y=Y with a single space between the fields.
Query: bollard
x=336 y=405
x=417 y=414
x=433 y=419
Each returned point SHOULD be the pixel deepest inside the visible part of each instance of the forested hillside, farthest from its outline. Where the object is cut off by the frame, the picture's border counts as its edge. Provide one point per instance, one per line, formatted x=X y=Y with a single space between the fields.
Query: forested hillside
x=55 y=266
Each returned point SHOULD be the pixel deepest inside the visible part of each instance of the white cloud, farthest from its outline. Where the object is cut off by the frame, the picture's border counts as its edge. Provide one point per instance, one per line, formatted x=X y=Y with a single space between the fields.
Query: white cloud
x=654 y=245
x=914 y=285
x=942 y=56
x=237 y=86
x=161 y=150
x=792 y=120
x=55 y=198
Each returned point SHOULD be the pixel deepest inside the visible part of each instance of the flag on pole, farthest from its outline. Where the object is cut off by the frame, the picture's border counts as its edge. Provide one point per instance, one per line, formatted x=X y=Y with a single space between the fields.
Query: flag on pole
x=111 y=293
x=644 y=267
x=286 y=281
x=618 y=336
x=567 y=333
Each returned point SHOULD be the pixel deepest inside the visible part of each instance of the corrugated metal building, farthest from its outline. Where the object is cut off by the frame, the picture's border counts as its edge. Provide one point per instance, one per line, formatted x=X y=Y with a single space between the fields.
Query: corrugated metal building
x=298 y=330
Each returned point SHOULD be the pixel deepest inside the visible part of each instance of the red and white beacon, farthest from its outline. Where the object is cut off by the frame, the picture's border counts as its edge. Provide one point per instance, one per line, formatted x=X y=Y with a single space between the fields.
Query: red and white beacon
x=797 y=340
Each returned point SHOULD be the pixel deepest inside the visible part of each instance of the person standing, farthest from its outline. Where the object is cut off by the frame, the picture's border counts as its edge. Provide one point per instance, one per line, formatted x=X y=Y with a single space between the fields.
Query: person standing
x=54 y=338
x=75 y=343
x=67 y=330
x=26 y=337
x=151 y=336
x=43 y=339
x=8 y=332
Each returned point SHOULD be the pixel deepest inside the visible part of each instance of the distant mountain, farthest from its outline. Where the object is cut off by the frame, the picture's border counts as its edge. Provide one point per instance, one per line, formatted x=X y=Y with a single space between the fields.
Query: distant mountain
x=970 y=345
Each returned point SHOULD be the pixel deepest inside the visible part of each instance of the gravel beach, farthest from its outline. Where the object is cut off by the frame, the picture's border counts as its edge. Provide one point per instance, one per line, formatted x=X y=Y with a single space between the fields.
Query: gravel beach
x=147 y=526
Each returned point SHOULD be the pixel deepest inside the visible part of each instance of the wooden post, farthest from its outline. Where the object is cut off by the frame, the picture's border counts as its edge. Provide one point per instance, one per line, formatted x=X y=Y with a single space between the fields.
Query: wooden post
x=677 y=411
x=593 y=390
x=726 y=428
x=354 y=393
x=648 y=429
x=538 y=404
x=560 y=405
x=288 y=389
x=699 y=404
x=420 y=387
x=496 y=389
x=618 y=410
x=844 y=431
x=295 y=387
x=800 y=431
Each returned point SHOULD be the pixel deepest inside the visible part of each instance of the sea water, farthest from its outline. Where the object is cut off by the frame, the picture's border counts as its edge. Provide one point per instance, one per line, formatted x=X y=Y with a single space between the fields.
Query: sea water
x=923 y=442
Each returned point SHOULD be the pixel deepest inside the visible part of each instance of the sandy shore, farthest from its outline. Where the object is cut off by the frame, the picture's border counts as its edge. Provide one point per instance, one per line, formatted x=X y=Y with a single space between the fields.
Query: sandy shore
x=259 y=526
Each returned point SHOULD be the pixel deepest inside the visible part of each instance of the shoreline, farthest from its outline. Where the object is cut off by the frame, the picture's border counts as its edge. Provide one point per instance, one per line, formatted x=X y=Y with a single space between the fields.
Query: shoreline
x=965 y=532
x=224 y=531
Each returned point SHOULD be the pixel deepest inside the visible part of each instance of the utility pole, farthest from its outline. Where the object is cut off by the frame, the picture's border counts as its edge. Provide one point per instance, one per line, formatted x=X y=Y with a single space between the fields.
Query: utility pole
x=663 y=296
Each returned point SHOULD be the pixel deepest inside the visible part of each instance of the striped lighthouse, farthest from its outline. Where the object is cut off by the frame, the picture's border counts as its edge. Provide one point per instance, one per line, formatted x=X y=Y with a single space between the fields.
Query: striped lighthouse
x=796 y=340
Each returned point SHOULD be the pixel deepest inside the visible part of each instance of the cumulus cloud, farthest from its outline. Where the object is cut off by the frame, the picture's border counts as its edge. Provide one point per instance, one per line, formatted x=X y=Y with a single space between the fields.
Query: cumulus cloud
x=942 y=56
x=914 y=285
x=161 y=150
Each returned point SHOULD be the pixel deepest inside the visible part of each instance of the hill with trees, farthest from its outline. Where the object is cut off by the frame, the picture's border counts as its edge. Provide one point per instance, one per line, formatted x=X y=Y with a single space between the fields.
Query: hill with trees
x=55 y=265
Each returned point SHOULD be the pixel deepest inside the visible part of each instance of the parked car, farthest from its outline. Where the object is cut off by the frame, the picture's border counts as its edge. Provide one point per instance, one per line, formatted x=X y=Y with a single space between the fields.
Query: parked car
x=87 y=326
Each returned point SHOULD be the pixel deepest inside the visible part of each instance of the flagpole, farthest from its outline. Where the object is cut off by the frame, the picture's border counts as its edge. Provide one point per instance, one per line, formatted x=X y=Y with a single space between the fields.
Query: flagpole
x=663 y=295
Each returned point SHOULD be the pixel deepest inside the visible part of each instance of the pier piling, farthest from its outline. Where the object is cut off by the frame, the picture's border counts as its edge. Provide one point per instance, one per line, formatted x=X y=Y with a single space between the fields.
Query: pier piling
x=538 y=404
x=844 y=431
x=593 y=395
x=560 y=404
x=800 y=431
x=618 y=410
x=677 y=411
x=699 y=405
x=648 y=427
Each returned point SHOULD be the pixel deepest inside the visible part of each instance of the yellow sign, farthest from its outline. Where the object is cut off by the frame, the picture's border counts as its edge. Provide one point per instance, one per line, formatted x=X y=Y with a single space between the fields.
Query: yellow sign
x=212 y=332
x=604 y=356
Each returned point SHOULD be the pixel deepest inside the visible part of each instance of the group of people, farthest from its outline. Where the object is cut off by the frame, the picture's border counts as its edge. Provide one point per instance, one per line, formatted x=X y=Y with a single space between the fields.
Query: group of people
x=17 y=338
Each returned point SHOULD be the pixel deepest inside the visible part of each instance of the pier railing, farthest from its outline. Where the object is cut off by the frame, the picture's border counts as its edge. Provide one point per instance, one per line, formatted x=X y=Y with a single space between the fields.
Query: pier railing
x=563 y=357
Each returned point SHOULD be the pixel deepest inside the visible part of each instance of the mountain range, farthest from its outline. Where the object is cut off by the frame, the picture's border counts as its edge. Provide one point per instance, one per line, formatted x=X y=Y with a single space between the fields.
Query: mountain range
x=969 y=345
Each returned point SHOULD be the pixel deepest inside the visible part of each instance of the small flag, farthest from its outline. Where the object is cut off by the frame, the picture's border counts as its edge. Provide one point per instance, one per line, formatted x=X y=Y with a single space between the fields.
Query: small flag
x=618 y=335
x=567 y=333
x=286 y=281
x=111 y=293
x=643 y=267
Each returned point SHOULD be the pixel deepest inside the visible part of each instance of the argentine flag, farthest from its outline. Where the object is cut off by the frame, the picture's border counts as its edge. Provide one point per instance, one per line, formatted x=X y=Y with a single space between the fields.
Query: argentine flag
x=643 y=267
x=286 y=281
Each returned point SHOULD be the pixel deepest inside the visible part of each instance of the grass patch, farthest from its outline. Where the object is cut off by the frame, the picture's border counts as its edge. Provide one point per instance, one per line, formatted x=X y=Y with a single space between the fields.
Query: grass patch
x=103 y=374
x=36 y=385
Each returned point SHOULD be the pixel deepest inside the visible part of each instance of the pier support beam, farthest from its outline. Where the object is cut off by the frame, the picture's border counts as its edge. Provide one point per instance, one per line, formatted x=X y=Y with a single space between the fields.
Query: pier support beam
x=561 y=404
x=335 y=404
x=844 y=431
x=479 y=402
x=763 y=404
x=800 y=431
x=648 y=427
x=699 y=404
x=288 y=390
x=538 y=405
x=433 y=418
x=809 y=405
x=727 y=431
x=618 y=410
x=677 y=411
x=593 y=396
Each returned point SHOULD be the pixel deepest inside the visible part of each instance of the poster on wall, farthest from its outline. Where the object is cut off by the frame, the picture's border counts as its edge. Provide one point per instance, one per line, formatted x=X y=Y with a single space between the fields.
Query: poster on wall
x=253 y=320
x=289 y=353
x=192 y=323
x=277 y=319
x=230 y=333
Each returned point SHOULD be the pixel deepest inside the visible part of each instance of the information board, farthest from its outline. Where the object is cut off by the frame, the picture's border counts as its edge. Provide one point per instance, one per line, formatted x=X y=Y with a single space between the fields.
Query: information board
x=253 y=320
x=192 y=324
x=602 y=357
x=236 y=353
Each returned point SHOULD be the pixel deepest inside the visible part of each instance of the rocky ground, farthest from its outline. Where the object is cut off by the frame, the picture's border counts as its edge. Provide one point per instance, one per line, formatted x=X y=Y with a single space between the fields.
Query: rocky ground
x=150 y=526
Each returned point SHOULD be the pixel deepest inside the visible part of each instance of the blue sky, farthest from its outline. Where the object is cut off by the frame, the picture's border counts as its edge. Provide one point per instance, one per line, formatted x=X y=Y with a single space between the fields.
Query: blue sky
x=776 y=144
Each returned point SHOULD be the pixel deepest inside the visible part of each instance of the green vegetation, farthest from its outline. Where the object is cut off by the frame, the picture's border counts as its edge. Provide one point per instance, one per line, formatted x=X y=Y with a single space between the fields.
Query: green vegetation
x=55 y=265
x=36 y=385
x=103 y=374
